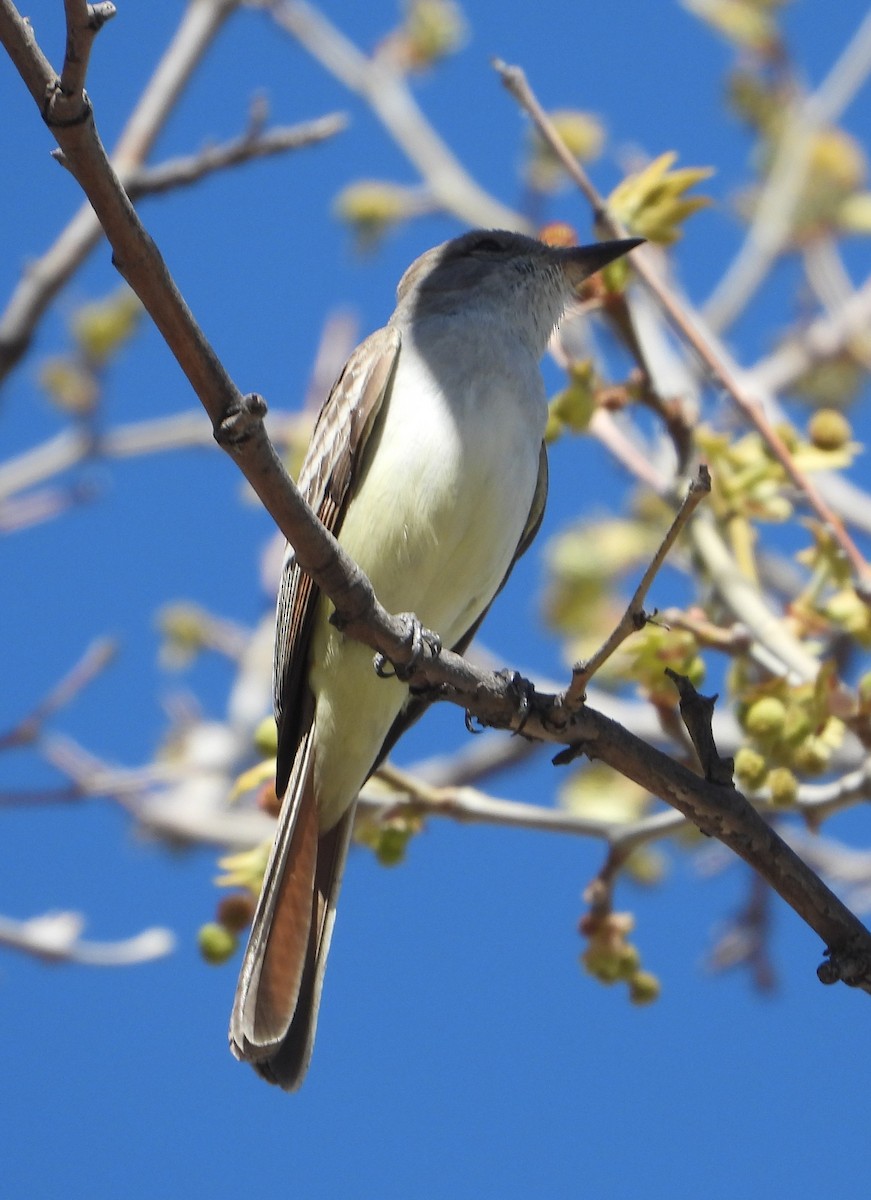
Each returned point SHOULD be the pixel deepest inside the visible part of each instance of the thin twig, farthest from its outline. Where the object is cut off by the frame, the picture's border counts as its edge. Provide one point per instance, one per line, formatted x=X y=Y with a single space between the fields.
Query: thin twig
x=93 y=662
x=84 y=22
x=634 y=617
x=470 y=806
x=183 y=171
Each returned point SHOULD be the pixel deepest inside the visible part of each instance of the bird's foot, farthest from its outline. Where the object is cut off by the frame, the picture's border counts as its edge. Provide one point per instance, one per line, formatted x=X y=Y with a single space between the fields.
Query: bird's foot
x=524 y=691
x=520 y=689
x=420 y=639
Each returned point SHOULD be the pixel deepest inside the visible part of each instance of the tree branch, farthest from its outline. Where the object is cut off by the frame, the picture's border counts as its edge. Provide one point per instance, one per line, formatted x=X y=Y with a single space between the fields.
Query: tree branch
x=84 y=22
x=184 y=171
x=781 y=191
x=55 y=938
x=634 y=617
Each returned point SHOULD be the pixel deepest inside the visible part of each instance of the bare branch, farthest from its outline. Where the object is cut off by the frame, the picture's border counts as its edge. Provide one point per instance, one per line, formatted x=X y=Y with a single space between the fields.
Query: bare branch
x=634 y=617
x=55 y=938
x=93 y=662
x=468 y=805
x=181 y=172
x=823 y=338
x=772 y=221
x=84 y=22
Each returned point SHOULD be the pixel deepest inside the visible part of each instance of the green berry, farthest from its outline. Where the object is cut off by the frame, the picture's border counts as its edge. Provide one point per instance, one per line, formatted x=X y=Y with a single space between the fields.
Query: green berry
x=644 y=988
x=829 y=429
x=750 y=768
x=216 y=942
x=783 y=786
x=765 y=717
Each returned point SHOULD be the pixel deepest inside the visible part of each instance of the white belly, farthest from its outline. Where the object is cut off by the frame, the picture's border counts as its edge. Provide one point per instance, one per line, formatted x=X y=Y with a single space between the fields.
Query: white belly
x=435 y=522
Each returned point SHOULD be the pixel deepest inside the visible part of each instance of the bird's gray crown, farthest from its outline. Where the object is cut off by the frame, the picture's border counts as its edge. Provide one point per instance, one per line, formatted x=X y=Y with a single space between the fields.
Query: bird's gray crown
x=509 y=276
x=484 y=254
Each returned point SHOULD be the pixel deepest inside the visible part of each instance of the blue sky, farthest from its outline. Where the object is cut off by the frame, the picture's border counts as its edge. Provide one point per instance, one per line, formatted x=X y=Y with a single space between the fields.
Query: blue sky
x=461 y=1050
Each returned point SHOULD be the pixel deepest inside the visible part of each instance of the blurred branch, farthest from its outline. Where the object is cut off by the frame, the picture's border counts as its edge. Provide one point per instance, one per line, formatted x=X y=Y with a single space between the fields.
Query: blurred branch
x=745 y=942
x=55 y=938
x=821 y=339
x=377 y=81
x=181 y=172
x=80 y=446
x=771 y=226
x=93 y=662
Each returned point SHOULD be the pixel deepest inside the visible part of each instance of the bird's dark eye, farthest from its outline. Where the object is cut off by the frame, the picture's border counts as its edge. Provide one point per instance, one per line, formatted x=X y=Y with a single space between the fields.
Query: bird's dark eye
x=489 y=245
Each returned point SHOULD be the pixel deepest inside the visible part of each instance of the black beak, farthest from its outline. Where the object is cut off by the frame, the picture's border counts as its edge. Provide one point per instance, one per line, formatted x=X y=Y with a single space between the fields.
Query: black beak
x=580 y=262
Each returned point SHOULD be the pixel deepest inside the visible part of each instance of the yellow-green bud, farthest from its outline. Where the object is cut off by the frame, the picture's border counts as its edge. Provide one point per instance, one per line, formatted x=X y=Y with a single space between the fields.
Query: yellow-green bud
x=750 y=768
x=391 y=846
x=847 y=610
x=216 y=942
x=102 y=328
x=765 y=717
x=644 y=988
x=266 y=737
x=70 y=387
x=783 y=786
x=829 y=429
x=798 y=724
x=812 y=756
x=602 y=963
x=629 y=960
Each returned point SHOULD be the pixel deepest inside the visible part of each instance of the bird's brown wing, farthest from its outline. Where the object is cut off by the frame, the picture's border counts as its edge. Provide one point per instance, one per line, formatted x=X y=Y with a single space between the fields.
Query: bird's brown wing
x=330 y=466
x=275 y=1010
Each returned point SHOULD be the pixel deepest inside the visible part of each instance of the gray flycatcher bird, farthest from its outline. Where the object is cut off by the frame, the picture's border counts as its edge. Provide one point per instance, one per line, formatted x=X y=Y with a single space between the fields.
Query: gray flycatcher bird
x=427 y=462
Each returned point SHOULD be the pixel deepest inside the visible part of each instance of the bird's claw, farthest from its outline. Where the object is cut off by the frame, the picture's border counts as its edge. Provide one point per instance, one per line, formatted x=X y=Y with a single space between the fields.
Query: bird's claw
x=421 y=641
x=525 y=693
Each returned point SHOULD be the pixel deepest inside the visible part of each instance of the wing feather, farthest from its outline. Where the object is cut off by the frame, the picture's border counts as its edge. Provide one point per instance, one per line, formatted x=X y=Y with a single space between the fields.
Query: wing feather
x=333 y=458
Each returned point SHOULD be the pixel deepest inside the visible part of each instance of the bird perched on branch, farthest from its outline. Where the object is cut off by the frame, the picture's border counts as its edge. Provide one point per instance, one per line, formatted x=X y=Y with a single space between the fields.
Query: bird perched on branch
x=427 y=462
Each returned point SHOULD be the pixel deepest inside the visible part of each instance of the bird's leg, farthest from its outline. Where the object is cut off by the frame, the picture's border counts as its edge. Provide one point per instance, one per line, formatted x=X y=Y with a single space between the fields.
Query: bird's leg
x=420 y=640
x=524 y=692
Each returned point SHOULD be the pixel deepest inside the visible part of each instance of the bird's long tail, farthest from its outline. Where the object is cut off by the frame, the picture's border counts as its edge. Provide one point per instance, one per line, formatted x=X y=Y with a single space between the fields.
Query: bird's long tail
x=278 y=995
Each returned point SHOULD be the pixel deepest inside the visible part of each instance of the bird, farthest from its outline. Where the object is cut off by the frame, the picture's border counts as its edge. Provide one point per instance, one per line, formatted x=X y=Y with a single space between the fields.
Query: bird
x=427 y=462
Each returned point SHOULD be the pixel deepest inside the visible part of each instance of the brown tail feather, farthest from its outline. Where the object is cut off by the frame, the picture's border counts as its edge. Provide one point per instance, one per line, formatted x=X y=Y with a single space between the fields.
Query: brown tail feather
x=286 y=945
x=287 y=1066
x=274 y=961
